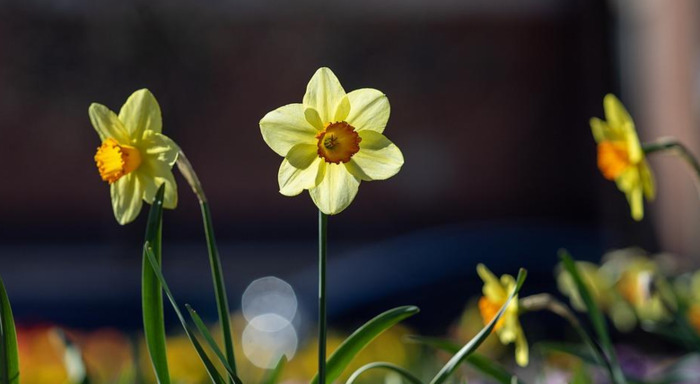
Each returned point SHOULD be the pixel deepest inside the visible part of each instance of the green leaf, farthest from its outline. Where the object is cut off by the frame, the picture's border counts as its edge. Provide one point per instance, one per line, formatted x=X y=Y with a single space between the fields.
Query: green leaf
x=9 y=358
x=380 y=364
x=342 y=356
x=480 y=362
x=596 y=317
x=219 y=286
x=151 y=293
x=209 y=366
x=475 y=342
x=274 y=376
x=209 y=339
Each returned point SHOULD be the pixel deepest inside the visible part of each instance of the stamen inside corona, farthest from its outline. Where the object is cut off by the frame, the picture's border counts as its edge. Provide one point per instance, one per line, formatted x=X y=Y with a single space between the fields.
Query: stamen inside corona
x=613 y=159
x=338 y=142
x=115 y=160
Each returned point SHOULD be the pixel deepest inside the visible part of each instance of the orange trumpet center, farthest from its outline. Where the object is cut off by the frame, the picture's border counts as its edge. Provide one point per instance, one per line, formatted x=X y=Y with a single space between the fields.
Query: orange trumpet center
x=338 y=142
x=115 y=160
x=613 y=159
x=488 y=310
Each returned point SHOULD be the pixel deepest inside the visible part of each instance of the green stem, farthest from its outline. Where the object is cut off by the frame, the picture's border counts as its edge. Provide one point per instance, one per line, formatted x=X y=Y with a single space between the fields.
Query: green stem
x=188 y=172
x=673 y=145
x=322 y=248
x=545 y=301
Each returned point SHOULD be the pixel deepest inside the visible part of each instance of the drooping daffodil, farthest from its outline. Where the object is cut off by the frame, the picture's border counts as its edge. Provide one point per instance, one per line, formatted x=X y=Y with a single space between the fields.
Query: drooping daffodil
x=135 y=158
x=620 y=156
x=508 y=328
x=331 y=142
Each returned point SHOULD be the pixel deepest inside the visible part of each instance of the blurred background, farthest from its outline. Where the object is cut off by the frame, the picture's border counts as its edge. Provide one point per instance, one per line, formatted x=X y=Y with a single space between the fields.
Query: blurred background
x=490 y=106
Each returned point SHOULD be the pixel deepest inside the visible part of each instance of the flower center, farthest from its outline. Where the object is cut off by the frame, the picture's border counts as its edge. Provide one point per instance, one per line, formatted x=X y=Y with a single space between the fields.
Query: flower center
x=115 y=160
x=338 y=142
x=613 y=159
x=488 y=310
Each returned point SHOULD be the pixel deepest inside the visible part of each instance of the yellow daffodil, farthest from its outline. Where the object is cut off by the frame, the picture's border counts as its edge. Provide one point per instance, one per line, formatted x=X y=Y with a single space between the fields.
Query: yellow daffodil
x=508 y=327
x=331 y=141
x=134 y=158
x=620 y=156
x=596 y=281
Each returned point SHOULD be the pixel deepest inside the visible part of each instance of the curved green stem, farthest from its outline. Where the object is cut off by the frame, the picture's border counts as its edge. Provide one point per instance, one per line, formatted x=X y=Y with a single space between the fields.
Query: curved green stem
x=188 y=172
x=322 y=248
x=676 y=147
x=380 y=364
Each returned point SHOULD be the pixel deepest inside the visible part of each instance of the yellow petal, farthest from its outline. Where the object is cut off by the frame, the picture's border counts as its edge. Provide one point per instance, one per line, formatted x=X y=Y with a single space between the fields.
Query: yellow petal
x=302 y=155
x=648 y=184
x=634 y=197
x=369 y=110
x=324 y=93
x=107 y=124
x=378 y=158
x=286 y=127
x=152 y=175
x=522 y=353
x=492 y=286
x=615 y=113
x=126 y=198
x=292 y=181
x=600 y=130
x=336 y=191
x=342 y=110
x=159 y=147
x=141 y=113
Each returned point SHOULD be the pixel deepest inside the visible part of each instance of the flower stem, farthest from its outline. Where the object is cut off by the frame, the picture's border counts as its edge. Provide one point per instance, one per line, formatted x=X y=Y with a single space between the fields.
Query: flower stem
x=547 y=302
x=188 y=172
x=676 y=147
x=322 y=248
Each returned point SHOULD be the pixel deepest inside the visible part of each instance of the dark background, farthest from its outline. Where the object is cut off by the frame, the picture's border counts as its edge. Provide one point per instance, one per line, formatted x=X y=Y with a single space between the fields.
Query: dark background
x=490 y=106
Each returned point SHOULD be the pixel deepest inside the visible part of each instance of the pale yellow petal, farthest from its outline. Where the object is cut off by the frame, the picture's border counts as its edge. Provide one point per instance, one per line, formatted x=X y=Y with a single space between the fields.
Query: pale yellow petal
x=302 y=155
x=634 y=149
x=634 y=197
x=336 y=191
x=292 y=181
x=324 y=93
x=313 y=118
x=369 y=110
x=159 y=147
x=107 y=124
x=286 y=127
x=378 y=158
x=152 y=175
x=141 y=113
x=126 y=198
x=342 y=110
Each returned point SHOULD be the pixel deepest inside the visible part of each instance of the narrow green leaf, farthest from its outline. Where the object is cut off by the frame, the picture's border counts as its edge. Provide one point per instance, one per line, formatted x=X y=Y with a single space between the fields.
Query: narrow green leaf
x=9 y=357
x=209 y=339
x=475 y=342
x=219 y=286
x=596 y=317
x=570 y=349
x=211 y=369
x=380 y=364
x=342 y=356
x=151 y=293
x=480 y=362
x=273 y=377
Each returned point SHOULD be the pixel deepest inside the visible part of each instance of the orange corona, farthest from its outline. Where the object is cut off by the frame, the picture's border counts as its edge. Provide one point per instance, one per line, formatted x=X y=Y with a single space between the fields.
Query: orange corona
x=115 y=160
x=338 y=142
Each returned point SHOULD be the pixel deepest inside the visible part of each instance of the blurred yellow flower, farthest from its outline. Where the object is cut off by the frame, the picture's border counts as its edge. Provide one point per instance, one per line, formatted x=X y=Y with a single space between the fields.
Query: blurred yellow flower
x=508 y=327
x=596 y=281
x=620 y=156
x=41 y=356
x=331 y=141
x=134 y=158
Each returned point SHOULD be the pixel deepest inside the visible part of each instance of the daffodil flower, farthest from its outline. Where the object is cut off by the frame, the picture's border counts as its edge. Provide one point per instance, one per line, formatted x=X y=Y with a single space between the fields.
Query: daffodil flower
x=331 y=141
x=620 y=156
x=134 y=158
x=508 y=327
